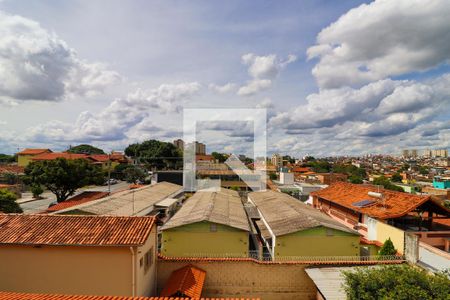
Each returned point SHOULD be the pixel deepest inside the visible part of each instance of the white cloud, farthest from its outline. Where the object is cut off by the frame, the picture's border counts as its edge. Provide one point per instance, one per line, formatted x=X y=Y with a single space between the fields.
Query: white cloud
x=37 y=65
x=381 y=39
x=222 y=89
x=263 y=70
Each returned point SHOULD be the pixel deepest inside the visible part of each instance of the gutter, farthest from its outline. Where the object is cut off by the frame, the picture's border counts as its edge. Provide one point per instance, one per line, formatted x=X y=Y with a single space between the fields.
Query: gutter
x=133 y=272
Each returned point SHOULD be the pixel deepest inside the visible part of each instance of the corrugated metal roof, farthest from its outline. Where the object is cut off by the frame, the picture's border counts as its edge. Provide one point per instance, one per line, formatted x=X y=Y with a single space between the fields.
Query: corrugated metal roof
x=223 y=207
x=74 y=230
x=285 y=214
x=130 y=202
x=27 y=296
x=187 y=281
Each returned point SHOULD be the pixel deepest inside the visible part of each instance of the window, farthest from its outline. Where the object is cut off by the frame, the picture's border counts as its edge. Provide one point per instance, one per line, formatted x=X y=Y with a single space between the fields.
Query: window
x=148 y=259
x=141 y=262
x=213 y=227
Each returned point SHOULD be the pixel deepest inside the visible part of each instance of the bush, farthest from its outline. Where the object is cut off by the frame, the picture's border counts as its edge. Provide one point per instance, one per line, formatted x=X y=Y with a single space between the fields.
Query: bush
x=387 y=248
x=36 y=190
x=8 y=202
x=402 y=282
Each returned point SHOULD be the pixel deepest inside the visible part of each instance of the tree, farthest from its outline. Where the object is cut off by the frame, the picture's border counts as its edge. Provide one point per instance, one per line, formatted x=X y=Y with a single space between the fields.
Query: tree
x=319 y=166
x=220 y=157
x=355 y=179
x=156 y=154
x=8 y=202
x=397 y=177
x=63 y=177
x=11 y=178
x=133 y=173
x=36 y=190
x=402 y=282
x=5 y=158
x=387 y=248
x=85 y=149
x=423 y=170
x=384 y=181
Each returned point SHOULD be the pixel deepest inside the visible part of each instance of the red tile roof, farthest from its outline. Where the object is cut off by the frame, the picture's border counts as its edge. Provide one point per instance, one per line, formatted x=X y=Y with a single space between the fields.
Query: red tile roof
x=52 y=156
x=11 y=169
x=187 y=281
x=29 y=151
x=62 y=230
x=393 y=205
x=28 y=296
x=301 y=169
x=204 y=157
x=78 y=199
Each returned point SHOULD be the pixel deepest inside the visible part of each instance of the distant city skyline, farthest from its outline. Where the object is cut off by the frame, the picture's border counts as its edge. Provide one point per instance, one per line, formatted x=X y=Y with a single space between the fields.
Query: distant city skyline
x=112 y=73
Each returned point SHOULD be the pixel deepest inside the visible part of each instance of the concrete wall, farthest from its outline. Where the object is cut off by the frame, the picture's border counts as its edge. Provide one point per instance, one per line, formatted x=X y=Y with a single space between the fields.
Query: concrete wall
x=197 y=239
x=318 y=241
x=146 y=278
x=433 y=258
x=66 y=270
x=385 y=231
x=248 y=279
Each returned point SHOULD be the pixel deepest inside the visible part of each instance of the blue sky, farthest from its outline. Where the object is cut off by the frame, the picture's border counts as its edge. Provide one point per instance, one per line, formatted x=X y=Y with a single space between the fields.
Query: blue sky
x=337 y=77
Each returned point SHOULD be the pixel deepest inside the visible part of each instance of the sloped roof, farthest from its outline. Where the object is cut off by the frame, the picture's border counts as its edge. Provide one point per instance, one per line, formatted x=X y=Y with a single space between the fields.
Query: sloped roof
x=29 y=296
x=223 y=207
x=11 y=169
x=131 y=202
x=393 y=205
x=186 y=281
x=55 y=155
x=285 y=214
x=16 y=229
x=84 y=197
x=30 y=151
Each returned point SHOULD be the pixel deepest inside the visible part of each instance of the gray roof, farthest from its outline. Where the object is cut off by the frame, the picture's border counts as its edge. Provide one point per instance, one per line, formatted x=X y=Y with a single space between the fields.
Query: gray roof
x=223 y=207
x=329 y=281
x=135 y=202
x=285 y=214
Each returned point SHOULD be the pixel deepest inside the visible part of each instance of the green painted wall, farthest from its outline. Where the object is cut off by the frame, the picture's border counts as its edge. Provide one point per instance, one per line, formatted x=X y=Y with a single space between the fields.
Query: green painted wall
x=196 y=239
x=319 y=241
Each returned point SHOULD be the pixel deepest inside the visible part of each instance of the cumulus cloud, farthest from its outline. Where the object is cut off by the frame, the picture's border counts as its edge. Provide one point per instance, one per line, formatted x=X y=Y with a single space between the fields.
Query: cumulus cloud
x=37 y=65
x=222 y=89
x=382 y=39
x=262 y=69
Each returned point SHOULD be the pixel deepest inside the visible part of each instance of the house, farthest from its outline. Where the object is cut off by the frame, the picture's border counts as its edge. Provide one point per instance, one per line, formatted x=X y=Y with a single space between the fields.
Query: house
x=81 y=255
x=329 y=178
x=136 y=202
x=81 y=198
x=205 y=158
x=290 y=228
x=56 y=155
x=355 y=204
x=185 y=282
x=24 y=157
x=210 y=223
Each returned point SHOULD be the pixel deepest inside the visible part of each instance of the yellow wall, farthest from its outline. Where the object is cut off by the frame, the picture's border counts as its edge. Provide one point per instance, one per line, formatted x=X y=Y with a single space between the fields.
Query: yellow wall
x=76 y=270
x=23 y=160
x=316 y=242
x=197 y=239
x=385 y=231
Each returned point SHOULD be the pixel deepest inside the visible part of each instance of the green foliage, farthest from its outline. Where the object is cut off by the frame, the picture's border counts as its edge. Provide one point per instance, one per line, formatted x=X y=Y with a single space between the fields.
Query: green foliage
x=36 y=190
x=387 y=248
x=400 y=282
x=319 y=166
x=5 y=158
x=156 y=154
x=273 y=176
x=63 y=177
x=221 y=157
x=11 y=178
x=355 y=179
x=397 y=177
x=133 y=173
x=8 y=202
x=289 y=159
x=423 y=170
x=386 y=183
x=405 y=167
x=85 y=149
x=351 y=171
x=118 y=172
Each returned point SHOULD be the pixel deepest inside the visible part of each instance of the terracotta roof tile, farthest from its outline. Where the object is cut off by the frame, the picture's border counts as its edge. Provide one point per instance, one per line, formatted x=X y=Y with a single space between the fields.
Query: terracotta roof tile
x=11 y=169
x=29 y=296
x=52 y=156
x=187 y=281
x=74 y=230
x=29 y=151
x=393 y=205
x=78 y=199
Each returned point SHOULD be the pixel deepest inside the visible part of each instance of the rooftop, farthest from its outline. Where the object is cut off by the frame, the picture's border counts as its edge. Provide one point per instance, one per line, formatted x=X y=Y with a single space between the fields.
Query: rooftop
x=285 y=214
x=84 y=197
x=392 y=204
x=29 y=151
x=187 y=281
x=11 y=169
x=52 y=156
x=18 y=229
x=131 y=202
x=223 y=207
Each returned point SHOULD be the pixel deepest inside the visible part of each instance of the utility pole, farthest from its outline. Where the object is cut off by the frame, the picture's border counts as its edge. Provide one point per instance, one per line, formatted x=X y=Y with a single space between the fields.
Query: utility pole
x=109 y=174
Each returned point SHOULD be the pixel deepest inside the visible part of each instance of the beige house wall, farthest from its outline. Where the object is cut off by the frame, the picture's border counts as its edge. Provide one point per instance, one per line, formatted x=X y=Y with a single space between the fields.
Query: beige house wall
x=385 y=231
x=77 y=269
x=244 y=279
